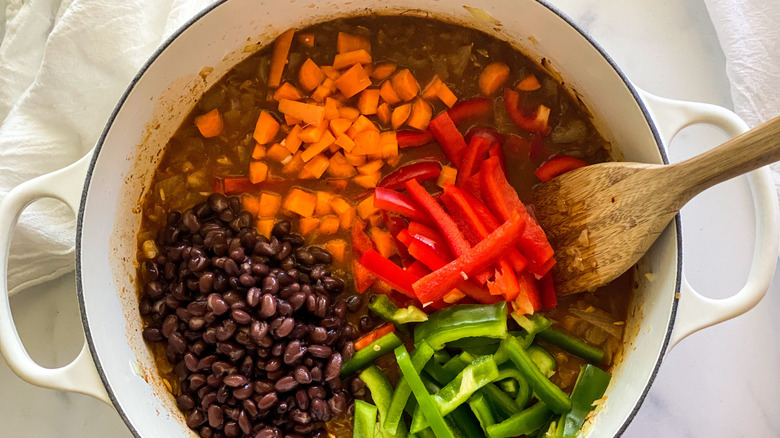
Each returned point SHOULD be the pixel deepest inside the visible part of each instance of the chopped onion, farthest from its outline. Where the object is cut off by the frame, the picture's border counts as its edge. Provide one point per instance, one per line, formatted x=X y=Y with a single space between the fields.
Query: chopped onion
x=600 y=319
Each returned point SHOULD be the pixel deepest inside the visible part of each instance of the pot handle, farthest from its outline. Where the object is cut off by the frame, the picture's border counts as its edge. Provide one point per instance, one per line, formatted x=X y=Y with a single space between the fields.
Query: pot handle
x=696 y=311
x=80 y=375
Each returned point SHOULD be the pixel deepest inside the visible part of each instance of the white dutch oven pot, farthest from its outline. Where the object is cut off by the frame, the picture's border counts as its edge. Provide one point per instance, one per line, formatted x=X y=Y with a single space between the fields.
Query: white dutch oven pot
x=115 y=366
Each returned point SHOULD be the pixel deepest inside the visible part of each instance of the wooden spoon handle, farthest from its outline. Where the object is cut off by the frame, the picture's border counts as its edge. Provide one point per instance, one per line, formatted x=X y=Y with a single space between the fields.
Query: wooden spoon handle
x=755 y=148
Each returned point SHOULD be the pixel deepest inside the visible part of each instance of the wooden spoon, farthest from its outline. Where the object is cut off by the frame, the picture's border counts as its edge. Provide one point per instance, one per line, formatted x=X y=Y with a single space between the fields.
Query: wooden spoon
x=601 y=219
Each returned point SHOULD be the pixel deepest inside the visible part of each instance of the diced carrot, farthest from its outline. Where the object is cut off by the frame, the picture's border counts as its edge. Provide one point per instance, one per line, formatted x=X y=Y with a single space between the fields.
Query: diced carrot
x=366 y=142
x=300 y=201
x=330 y=72
x=388 y=94
x=369 y=101
x=323 y=203
x=447 y=176
x=314 y=168
x=337 y=185
x=349 y=113
x=277 y=152
x=353 y=81
x=529 y=83
x=258 y=153
x=264 y=227
x=383 y=70
x=289 y=120
x=493 y=77
x=356 y=160
x=347 y=59
x=269 y=204
x=361 y=124
x=279 y=58
x=326 y=139
x=394 y=160
x=307 y=39
x=294 y=165
x=331 y=109
x=344 y=142
x=405 y=85
x=388 y=144
x=432 y=89
x=368 y=181
x=308 y=224
x=384 y=242
x=321 y=93
x=371 y=167
x=310 y=76
x=347 y=218
x=420 y=115
x=333 y=148
x=346 y=42
x=400 y=115
x=339 y=126
x=210 y=124
x=368 y=68
x=287 y=91
x=383 y=113
x=305 y=112
x=366 y=207
x=339 y=204
x=339 y=168
x=376 y=220
x=446 y=95
x=329 y=224
x=266 y=128
x=311 y=134
x=250 y=203
x=336 y=248
x=293 y=140
x=258 y=171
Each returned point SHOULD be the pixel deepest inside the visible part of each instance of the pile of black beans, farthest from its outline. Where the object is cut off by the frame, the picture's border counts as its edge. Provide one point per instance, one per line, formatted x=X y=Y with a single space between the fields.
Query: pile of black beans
x=251 y=325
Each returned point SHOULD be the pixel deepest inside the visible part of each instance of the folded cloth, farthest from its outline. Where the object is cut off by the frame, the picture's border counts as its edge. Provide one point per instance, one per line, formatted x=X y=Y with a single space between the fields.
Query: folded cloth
x=749 y=33
x=63 y=66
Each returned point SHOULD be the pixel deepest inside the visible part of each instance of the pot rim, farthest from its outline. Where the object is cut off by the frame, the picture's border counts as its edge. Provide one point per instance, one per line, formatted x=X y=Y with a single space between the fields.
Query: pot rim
x=100 y=142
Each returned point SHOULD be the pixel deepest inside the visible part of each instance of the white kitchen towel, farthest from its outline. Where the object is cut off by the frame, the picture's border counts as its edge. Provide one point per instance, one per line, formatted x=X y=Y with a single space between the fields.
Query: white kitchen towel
x=63 y=66
x=749 y=33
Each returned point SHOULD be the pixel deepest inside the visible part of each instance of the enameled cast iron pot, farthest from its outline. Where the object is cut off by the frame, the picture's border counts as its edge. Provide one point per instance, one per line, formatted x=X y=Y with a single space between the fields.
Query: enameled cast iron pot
x=115 y=365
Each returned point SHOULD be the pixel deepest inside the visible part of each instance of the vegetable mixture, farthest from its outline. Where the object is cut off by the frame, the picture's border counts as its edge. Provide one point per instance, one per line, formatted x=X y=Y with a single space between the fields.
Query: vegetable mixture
x=336 y=243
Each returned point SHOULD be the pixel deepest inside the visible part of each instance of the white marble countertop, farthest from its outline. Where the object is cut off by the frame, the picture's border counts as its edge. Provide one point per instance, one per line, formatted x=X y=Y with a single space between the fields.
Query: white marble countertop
x=721 y=382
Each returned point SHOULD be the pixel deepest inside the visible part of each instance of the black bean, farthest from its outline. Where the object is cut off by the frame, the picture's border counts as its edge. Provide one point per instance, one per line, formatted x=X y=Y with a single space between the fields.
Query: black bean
x=297 y=300
x=281 y=228
x=348 y=351
x=253 y=296
x=366 y=324
x=321 y=255
x=152 y=334
x=215 y=416
x=235 y=380
x=226 y=330
x=320 y=351
x=270 y=285
x=305 y=257
x=243 y=420
x=316 y=374
x=320 y=410
x=268 y=401
x=154 y=289
x=259 y=330
x=333 y=368
x=260 y=269
x=268 y=432
x=195 y=418
x=217 y=202
x=177 y=342
x=300 y=331
x=243 y=392
x=267 y=305
x=294 y=352
x=338 y=404
x=357 y=387
x=299 y=416
x=266 y=249
x=241 y=317
x=284 y=308
x=286 y=384
x=285 y=328
x=247 y=280
x=263 y=387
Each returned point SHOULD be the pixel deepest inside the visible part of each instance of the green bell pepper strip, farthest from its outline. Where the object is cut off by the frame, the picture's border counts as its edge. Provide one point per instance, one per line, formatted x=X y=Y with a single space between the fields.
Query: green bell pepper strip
x=509 y=386
x=462 y=321
x=590 y=386
x=437 y=372
x=424 y=400
x=420 y=356
x=387 y=310
x=476 y=375
x=364 y=424
x=523 y=396
x=543 y=359
x=572 y=344
x=453 y=367
x=381 y=393
x=481 y=408
x=461 y=419
x=371 y=352
x=503 y=405
x=532 y=324
x=521 y=423
x=441 y=357
x=551 y=395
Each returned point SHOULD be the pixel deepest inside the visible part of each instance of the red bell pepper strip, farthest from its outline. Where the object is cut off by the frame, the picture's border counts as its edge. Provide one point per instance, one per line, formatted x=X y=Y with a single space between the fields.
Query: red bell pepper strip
x=528 y=300
x=473 y=186
x=454 y=238
x=389 y=272
x=540 y=271
x=436 y=247
x=497 y=151
x=361 y=242
x=478 y=293
x=535 y=123
x=407 y=138
x=426 y=255
x=475 y=154
x=548 y=298
x=557 y=166
x=236 y=186
x=505 y=283
x=363 y=277
x=448 y=137
x=418 y=269
x=374 y=335
x=536 y=147
x=490 y=134
x=421 y=171
x=416 y=228
x=395 y=225
x=435 y=285
x=502 y=199
x=470 y=109
x=405 y=238
x=390 y=200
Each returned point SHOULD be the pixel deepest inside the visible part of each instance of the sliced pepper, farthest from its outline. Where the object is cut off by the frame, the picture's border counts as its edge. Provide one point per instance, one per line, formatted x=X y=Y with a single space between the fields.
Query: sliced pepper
x=461 y=420
x=426 y=254
x=408 y=138
x=389 y=272
x=381 y=393
x=449 y=138
x=388 y=311
x=521 y=423
x=421 y=171
x=470 y=109
x=424 y=400
x=377 y=333
x=390 y=200
x=548 y=298
x=436 y=284
x=572 y=344
x=462 y=321
x=399 y=403
x=364 y=423
x=535 y=123
x=558 y=166
x=370 y=353
x=476 y=152
x=496 y=150
x=482 y=410
x=455 y=239
x=551 y=395
x=590 y=386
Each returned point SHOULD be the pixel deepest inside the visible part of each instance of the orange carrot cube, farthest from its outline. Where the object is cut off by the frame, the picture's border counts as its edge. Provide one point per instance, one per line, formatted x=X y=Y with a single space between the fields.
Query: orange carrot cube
x=420 y=115
x=353 y=81
x=266 y=128
x=329 y=224
x=368 y=181
x=388 y=94
x=310 y=76
x=264 y=227
x=369 y=101
x=336 y=248
x=315 y=148
x=287 y=91
x=258 y=171
x=346 y=59
x=269 y=204
x=366 y=207
x=383 y=70
x=306 y=225
x=346 y=42
x=300 y=202
x=405 y=85
x=400 y=115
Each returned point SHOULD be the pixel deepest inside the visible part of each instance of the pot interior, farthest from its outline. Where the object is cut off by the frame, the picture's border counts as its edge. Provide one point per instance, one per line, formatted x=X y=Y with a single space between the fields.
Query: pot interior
x=174 y=79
